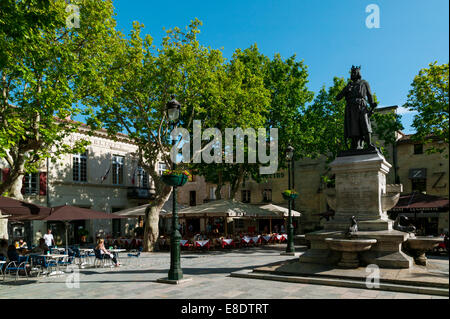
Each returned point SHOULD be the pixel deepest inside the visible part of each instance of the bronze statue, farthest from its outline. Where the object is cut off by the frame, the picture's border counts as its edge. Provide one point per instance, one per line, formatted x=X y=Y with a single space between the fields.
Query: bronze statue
x=353 y=229
x=403 y=224
x=357 y=114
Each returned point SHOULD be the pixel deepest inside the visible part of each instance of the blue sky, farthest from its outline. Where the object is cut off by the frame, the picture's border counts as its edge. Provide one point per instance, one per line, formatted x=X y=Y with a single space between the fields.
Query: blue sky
x=330 y=36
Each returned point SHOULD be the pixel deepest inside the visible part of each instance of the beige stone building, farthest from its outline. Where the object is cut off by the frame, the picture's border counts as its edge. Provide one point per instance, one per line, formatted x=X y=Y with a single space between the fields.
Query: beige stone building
x=104 y=178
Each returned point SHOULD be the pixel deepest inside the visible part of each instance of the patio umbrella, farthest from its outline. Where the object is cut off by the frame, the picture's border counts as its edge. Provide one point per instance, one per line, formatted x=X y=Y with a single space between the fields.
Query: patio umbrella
x=15 y=209
x=69 y=213
x=280 y=210
x=140 y=210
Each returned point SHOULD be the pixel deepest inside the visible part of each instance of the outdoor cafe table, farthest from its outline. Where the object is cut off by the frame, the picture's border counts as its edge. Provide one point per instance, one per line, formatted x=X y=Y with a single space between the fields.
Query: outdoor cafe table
x=184 y=242
x=256 y=239
x=246 y=239
x=267 y=238
x=202 y=243
x=281 y=237
x=57 y=258
x=227 y=242
x=117 y=251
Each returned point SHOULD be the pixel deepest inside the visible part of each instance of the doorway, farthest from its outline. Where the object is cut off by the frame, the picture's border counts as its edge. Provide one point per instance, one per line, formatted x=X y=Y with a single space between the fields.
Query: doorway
x=192 y=198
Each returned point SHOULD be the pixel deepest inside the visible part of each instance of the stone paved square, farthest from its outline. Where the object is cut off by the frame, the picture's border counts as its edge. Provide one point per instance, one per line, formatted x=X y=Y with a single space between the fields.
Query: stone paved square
x=210 y=280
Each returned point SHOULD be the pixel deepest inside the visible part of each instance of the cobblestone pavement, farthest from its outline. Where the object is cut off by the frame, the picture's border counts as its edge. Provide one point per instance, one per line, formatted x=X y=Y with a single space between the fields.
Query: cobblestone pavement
x=136 y=279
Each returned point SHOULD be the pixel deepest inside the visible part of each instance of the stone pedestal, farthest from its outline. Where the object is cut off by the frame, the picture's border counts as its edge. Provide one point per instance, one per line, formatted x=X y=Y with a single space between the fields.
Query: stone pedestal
x=361 y=191
x=360 y=186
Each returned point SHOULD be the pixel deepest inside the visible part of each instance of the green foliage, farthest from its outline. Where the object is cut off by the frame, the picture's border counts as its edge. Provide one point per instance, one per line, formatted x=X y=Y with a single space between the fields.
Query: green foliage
x=325 y=122
x=45 y=69
x=429 y=96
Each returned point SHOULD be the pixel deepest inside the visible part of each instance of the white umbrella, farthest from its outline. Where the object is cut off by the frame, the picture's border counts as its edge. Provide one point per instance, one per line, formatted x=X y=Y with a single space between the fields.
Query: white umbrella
x=282 y=211
x=140 y=210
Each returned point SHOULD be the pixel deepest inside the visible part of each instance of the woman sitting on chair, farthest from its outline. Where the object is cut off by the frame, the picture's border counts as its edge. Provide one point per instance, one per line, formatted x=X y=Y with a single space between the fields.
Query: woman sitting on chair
x=104 y=251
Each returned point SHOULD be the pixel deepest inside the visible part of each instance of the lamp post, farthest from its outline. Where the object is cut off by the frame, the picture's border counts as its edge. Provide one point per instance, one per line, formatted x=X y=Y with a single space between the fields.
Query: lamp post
x=290 y=244
x=175 y=272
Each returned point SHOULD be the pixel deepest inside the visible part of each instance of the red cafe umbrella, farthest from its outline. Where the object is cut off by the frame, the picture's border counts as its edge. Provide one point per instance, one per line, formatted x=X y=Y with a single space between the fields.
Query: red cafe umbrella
x=19 y=209
x=68 y=213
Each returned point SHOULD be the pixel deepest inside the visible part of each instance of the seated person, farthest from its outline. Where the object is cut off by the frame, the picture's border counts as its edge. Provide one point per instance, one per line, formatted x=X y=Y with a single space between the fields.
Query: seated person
x=12 y=253
x=4 y=248
x=42 y=248
x=105 y=252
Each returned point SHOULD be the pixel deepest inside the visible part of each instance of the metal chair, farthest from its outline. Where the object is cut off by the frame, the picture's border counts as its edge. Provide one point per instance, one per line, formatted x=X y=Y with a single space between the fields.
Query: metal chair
x=17 y=266
x=101 y=259
x=135 y=254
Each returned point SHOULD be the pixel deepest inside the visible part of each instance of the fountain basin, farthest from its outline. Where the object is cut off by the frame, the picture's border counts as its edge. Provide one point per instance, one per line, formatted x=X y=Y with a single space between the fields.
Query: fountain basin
x=419 y=245
x=350 y=249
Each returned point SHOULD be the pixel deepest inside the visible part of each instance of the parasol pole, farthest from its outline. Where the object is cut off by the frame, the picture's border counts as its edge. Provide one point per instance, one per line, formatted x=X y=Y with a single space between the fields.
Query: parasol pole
x=67 y=243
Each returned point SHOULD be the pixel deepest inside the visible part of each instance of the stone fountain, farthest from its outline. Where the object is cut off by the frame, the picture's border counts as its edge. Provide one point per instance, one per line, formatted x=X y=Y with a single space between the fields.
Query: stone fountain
x=361 y=194
x=361 y=191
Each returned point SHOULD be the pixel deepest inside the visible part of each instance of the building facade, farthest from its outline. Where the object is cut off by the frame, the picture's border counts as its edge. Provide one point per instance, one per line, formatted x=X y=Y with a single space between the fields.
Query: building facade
x=104 y=178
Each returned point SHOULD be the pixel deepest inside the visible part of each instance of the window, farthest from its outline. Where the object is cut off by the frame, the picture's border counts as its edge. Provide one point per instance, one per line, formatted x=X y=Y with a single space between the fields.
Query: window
x=418 y=148
x=419 y=185
x=117 y=170
x=80 y=167
x=267 y=195
x=30 y=184
x=161 y=168
x=142 y=178
x=245 y=195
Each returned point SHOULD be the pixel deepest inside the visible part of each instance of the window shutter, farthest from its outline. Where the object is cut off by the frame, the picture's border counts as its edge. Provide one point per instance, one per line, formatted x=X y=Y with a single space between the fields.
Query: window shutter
x=43 y=183
x=5 y=174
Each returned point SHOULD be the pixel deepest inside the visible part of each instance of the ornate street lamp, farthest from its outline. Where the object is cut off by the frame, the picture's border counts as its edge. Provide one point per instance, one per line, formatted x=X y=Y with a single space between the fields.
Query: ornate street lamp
x=175 y=272
x=290 y=244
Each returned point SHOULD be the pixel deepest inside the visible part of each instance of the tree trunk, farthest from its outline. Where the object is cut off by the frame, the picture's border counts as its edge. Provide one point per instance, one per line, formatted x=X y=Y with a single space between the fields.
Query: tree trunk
x=151 y=228
x=218 y=192
x=13 y=183
x=235 y=184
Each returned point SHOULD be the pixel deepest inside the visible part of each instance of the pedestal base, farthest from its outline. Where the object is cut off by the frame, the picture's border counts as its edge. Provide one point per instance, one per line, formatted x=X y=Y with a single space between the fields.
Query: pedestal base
x=386 y=253
x=166 y=280
x=349 y=260
x=289 y=254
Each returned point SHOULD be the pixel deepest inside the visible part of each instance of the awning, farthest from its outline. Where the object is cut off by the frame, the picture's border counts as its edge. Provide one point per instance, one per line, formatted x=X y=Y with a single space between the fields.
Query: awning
x=415 y=202
x=226 y=208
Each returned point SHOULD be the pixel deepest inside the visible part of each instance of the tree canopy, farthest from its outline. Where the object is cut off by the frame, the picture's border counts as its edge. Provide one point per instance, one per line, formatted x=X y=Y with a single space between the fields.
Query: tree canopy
x=429 y=97
x=45 y=67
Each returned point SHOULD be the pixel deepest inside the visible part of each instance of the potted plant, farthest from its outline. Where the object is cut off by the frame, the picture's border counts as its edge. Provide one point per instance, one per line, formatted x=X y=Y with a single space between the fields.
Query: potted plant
x=289 y=194
x=175 y=177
